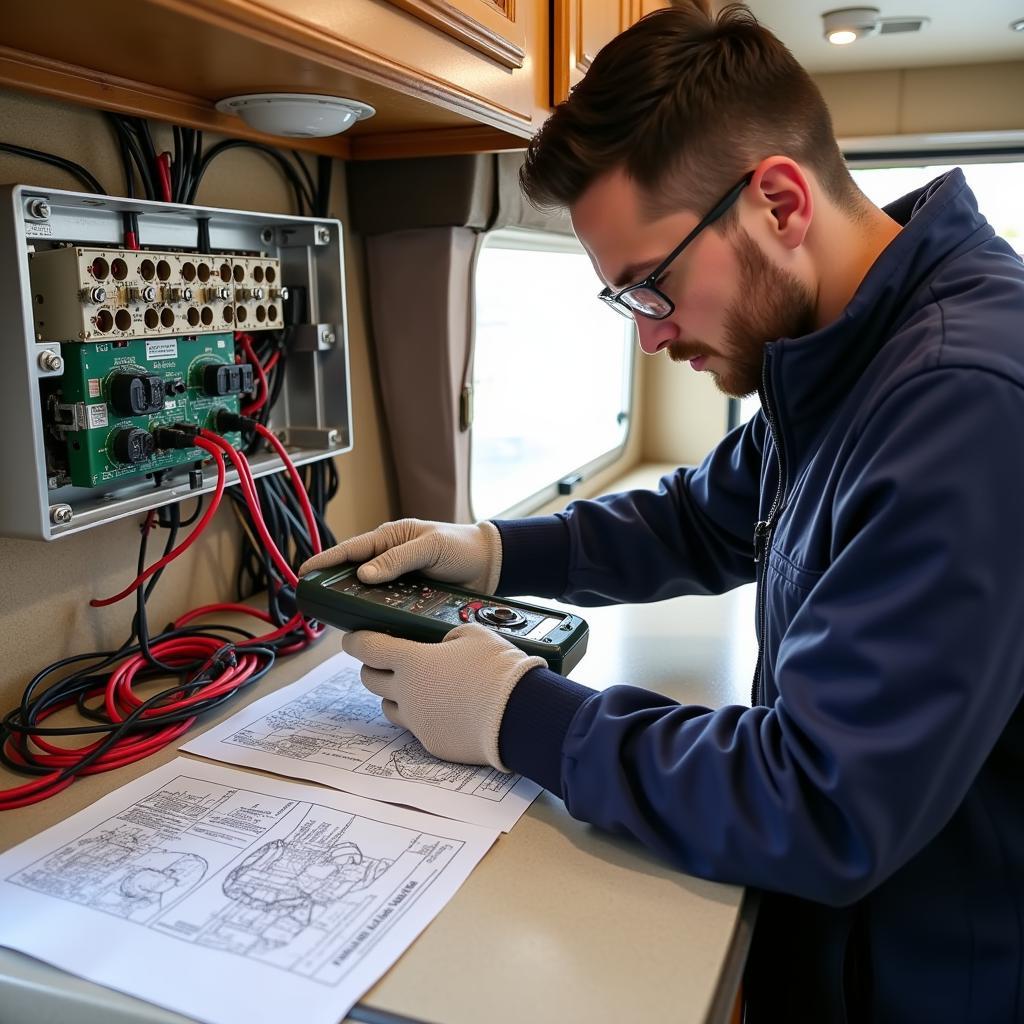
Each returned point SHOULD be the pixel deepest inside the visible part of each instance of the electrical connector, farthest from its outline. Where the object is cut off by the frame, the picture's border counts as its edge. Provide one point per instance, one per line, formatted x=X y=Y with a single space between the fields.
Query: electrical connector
x=171 y=437
x=225 y=420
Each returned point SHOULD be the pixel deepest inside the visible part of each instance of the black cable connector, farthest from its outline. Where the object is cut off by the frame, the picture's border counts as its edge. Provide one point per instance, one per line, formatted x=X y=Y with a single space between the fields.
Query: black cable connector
x=226 y=420
x=174 y=436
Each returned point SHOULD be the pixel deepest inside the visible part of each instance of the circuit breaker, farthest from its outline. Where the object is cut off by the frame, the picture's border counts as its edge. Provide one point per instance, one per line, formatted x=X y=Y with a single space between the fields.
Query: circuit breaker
x=107 y=345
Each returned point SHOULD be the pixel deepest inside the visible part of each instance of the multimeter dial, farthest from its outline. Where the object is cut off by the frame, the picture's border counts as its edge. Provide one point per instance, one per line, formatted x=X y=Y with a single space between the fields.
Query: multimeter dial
x=501 y=615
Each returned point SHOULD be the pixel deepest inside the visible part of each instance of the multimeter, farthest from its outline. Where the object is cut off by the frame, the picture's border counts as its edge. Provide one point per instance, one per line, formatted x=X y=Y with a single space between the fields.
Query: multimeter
x=417 y=608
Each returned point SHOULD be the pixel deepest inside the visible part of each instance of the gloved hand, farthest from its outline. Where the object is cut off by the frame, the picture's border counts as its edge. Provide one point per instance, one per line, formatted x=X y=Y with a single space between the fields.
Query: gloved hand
x=470 y=555
x=450 y=695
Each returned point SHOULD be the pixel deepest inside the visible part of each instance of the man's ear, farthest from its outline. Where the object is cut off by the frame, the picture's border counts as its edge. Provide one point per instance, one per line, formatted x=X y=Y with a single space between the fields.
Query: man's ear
x=782 y=190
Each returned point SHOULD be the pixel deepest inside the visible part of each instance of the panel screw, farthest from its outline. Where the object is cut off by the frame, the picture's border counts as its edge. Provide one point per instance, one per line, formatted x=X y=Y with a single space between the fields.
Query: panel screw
x=51 y=361
x=266 y=236
x=60 y=515
x=39 y=208
x=329 y=338
x=323 y=235
x=332 y=437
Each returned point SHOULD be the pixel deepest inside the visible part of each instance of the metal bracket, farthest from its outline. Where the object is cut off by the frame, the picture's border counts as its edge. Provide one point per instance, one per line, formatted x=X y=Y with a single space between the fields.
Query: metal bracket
x=314 y=337
x=311 y=437
x=304 y=235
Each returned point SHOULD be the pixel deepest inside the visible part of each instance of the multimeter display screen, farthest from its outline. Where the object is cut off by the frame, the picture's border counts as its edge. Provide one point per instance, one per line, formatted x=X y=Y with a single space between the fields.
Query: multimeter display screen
x=423 y=599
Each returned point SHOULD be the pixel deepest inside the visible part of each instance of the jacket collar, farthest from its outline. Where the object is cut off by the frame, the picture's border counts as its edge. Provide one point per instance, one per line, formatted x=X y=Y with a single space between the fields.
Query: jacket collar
x=807 y=376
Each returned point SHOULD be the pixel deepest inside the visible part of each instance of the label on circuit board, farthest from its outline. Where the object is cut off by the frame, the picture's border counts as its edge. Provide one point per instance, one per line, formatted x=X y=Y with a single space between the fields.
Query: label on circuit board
x=97 y=415
x=162 y=348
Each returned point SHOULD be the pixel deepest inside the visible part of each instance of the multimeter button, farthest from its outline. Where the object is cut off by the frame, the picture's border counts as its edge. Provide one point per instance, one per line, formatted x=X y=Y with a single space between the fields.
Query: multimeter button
x=466 y=609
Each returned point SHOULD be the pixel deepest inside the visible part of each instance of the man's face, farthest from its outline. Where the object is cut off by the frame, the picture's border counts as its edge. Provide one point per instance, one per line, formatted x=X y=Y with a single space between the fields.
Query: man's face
x=730 y=299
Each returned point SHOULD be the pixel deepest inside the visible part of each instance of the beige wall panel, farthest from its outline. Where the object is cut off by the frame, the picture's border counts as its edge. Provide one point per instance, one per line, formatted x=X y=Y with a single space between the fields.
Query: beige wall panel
x=978 y=97
x=45 y=587
x=685 y=415
x=862 y=103
x=966 y=98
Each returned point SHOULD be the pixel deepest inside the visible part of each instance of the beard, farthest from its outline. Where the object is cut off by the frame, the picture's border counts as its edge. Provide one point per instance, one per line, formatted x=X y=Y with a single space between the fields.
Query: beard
x=773 y=304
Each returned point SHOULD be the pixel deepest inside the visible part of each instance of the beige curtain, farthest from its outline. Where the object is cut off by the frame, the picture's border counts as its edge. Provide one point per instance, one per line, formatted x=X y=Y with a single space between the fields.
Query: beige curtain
x=424 y=222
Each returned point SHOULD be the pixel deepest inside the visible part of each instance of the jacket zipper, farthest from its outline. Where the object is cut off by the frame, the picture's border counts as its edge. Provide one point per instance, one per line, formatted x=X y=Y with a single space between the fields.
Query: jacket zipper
x=763 y=530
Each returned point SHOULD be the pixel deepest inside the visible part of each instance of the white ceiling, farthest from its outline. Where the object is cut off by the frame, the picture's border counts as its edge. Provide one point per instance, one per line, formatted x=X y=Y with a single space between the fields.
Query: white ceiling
x=960 y=32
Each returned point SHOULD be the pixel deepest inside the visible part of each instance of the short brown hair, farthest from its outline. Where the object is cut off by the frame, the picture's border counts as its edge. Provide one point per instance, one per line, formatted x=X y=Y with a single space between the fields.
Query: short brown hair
x=686 y=103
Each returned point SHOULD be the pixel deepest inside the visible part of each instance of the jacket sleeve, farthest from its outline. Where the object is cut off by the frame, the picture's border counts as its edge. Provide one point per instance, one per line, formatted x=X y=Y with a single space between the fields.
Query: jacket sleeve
x=896 y=677
x=691 y=536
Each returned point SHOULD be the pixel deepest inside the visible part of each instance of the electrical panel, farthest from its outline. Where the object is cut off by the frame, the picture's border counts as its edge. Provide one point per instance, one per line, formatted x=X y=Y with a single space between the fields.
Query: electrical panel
x=107 y=346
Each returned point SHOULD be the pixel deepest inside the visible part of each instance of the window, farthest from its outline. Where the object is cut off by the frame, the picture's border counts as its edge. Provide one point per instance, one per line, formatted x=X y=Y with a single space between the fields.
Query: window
x=552 y=372
x=996 y=186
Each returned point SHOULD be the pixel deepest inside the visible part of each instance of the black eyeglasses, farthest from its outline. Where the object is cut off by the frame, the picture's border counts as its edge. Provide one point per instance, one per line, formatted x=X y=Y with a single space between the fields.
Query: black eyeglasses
x=644 y=297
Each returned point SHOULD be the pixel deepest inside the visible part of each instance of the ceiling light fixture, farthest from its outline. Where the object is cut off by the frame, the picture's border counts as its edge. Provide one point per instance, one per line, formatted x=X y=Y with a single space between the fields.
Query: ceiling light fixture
x=849 y=24
x=296 y=115
x=1018 y=25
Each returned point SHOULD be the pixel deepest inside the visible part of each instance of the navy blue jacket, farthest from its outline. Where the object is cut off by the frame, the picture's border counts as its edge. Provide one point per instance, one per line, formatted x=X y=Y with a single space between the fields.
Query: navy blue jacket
x=874 y=792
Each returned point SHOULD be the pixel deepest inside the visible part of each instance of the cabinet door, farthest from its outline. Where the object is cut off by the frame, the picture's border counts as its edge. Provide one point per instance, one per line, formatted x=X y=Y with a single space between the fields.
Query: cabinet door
x=493 y=27
x=473 y=53
x=580 y=29
x=642 y=7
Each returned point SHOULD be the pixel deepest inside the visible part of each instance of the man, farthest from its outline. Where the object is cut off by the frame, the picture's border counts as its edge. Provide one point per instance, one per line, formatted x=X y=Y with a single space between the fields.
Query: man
x=873 y=790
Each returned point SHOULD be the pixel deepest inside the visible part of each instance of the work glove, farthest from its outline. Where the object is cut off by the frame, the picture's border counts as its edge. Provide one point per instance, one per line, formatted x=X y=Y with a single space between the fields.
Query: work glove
x=451 y=695
x=469 y=555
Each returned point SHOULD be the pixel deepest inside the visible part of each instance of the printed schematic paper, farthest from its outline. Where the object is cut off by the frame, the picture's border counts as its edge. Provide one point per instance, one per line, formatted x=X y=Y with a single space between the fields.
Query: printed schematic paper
x=231 y=897
x=327 y=727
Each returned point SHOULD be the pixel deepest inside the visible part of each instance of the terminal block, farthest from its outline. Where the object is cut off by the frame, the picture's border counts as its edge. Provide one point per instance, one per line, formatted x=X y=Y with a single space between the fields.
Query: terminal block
x=93 y=294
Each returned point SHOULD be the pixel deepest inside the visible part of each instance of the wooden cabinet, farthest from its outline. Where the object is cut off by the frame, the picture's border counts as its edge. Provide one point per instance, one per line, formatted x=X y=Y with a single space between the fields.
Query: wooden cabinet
x=642 y=7
x=443 y=75
x=580 y=28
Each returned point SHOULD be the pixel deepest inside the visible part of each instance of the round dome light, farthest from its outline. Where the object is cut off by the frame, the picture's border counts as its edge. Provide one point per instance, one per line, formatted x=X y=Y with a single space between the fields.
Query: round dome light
x=848 y=24
x=296 y=115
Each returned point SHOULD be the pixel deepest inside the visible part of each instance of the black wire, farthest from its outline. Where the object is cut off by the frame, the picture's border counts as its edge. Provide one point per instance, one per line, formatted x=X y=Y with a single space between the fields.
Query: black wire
x=128 y=724
x=310 y=183
x=195 y=515
x=130 y=140
x=324 y=167
x=84 y=176
x=299 y=187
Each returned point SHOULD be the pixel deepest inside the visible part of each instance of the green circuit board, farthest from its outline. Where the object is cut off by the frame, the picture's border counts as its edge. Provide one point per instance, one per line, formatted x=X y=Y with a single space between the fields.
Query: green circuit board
x=94 y=431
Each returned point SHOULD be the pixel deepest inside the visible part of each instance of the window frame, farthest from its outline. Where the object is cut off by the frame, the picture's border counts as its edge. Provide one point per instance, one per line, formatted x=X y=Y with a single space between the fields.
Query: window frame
x=530 y=240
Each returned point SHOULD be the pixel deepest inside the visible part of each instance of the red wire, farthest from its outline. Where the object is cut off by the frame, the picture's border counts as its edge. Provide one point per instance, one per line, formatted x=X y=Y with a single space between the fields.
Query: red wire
x=119 y=698
x=250 y=354
x=186 y=543
x=163 y=166
x=245 y=478
x=300 y=491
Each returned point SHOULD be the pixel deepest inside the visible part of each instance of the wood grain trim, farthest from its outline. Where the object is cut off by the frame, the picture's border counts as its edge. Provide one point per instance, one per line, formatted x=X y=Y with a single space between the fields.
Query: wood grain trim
x=434 y=142
x=271 y=28
x=466 y=29
x=84 y=86
x=561 y=58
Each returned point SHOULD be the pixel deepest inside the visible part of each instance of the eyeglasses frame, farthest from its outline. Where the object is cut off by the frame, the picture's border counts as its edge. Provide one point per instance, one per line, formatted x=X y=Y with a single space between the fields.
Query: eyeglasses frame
x=614 y=299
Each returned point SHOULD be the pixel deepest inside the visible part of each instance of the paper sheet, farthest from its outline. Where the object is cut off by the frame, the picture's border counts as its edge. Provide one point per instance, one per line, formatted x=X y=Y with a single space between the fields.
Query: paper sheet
x=230 y=897
x=329 y=728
